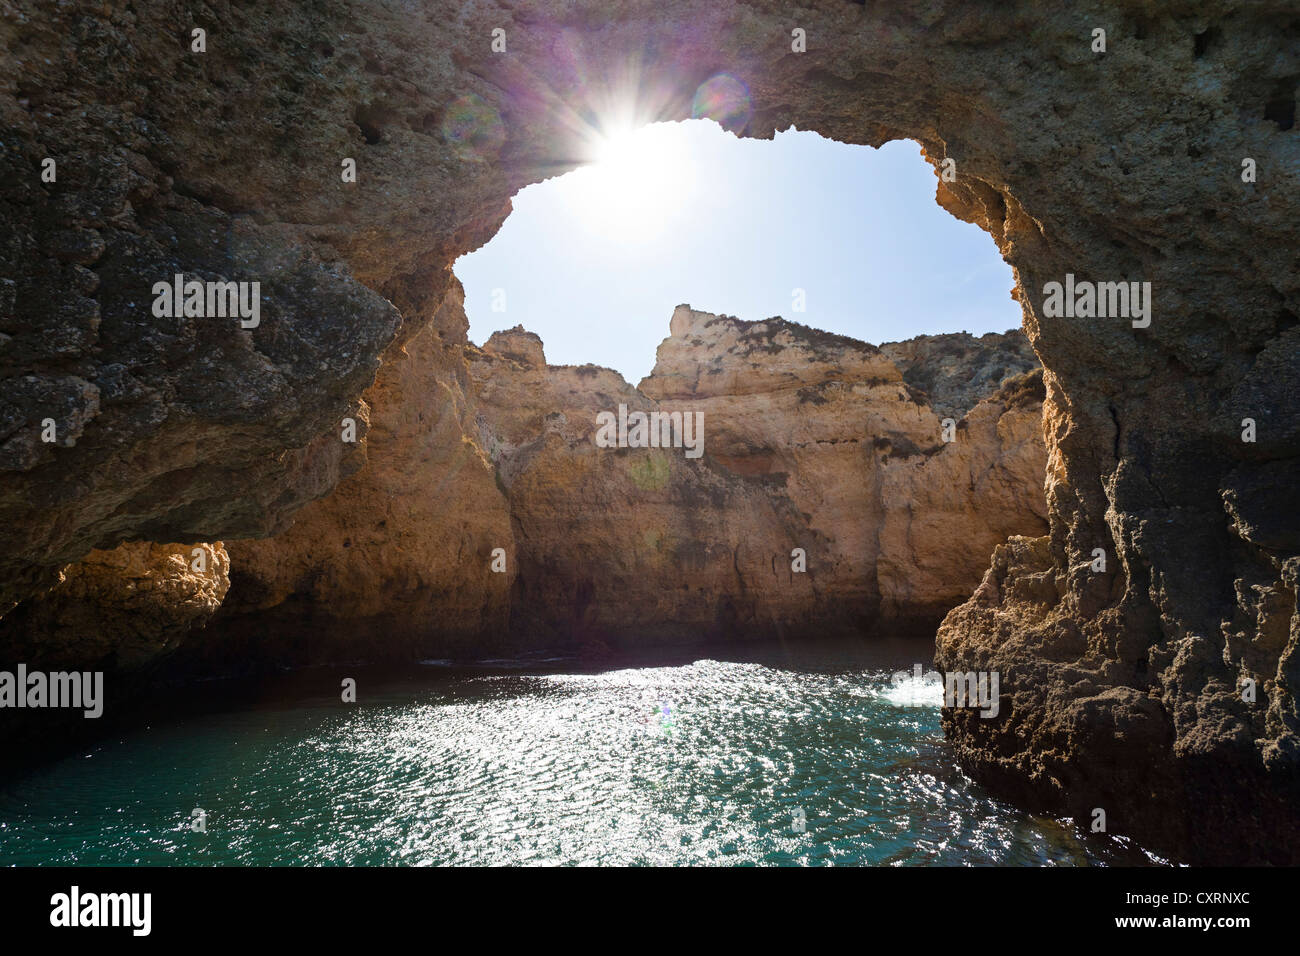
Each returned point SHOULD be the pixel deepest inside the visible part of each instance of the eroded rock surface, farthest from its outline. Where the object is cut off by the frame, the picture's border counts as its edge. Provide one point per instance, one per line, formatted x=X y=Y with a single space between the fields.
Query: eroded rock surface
x=634 y=545
x=833 y=425
x=397 y=559
x=955 y=371
x=811 y=441
x=119 y=610
x=1114 y=166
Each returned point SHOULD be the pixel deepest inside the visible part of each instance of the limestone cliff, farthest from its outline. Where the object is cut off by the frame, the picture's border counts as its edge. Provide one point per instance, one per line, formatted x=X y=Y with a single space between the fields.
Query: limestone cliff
x=832 y=425
x=124 y=612
x=811 y=441
x=1168 y=157
x=954 y=371
x=635 y=545
x=397 y=559
x=119 y=610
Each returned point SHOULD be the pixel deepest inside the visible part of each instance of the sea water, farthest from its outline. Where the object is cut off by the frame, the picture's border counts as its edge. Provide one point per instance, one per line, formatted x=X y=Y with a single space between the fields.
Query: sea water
x=751 y=755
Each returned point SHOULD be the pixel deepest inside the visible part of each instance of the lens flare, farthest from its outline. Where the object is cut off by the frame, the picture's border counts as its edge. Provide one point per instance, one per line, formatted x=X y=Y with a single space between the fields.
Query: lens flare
x=725 y=100
x=473 y=128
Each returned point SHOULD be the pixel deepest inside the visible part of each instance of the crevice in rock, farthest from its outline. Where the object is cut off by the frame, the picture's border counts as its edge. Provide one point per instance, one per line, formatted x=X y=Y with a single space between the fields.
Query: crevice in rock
x=1280 y=108
x=371 y=118
x=1203 y=43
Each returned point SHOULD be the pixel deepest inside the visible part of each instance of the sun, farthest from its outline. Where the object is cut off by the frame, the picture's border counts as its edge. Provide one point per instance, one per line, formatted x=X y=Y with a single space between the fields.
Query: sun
x=637 y=185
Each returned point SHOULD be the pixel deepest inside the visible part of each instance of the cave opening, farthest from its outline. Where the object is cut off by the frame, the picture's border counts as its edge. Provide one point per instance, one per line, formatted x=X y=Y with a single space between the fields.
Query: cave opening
x=1167 y=577
x=858 y=434
x=843 y=238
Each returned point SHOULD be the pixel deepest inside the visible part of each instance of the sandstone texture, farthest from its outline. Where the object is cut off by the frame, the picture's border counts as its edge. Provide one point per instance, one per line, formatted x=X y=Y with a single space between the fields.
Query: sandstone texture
x=832 y=425
x=954 y=371
x=396 y=560
x=622 y=546
x=119 y=610
x=125 y=613
x=1123 y=165
x=811 y=441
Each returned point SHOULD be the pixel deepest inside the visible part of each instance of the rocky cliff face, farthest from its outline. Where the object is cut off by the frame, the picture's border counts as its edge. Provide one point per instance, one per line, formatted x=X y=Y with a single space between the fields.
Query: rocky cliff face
x=833 y=425
x=225 y=164
x=397 y=560
x=955 y=371
x=120 y=610
x=810 y=441
x=124 y=612
x=632 y=545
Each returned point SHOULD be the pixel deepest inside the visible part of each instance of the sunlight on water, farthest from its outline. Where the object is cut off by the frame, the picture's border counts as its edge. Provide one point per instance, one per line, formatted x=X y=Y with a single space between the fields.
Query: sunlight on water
x=913 y=690
x=711 y=762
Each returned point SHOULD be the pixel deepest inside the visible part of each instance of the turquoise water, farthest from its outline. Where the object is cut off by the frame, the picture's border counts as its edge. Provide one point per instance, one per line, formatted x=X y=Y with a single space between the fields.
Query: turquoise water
x=697 y=761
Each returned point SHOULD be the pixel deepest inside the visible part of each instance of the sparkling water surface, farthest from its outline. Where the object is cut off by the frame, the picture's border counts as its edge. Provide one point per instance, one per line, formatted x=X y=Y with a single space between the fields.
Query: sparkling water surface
x=768 y=755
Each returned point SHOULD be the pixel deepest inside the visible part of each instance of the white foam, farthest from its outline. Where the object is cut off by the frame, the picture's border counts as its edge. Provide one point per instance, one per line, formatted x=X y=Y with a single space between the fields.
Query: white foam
x=912 y=691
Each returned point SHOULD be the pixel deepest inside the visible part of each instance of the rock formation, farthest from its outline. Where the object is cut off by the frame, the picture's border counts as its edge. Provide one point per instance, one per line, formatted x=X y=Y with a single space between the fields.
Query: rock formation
x=119 y=610
x=832 y=425
x=123 y=612
x=397 y=559
x=1165 y=155
x=954 y=371
x=631 y=545
x=811 y=441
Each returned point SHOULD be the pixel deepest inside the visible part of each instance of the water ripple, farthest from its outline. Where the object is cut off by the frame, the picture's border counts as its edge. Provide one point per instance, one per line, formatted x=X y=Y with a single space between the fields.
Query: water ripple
x=711 y=763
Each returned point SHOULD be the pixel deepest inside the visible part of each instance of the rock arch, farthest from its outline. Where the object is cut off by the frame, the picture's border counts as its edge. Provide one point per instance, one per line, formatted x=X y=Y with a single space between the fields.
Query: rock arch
x=1123 y=165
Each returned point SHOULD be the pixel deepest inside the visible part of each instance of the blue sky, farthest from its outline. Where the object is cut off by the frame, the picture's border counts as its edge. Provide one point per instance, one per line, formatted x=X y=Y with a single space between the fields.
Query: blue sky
x=594 y=261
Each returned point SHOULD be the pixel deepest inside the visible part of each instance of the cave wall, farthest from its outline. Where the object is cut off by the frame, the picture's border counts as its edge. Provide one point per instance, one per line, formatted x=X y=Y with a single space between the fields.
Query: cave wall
x=1122 y=165
x=395 y=562
x=120 y=610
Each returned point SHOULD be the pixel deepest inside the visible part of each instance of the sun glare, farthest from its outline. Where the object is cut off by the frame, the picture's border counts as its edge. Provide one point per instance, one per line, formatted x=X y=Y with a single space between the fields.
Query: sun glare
x=638 y=183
